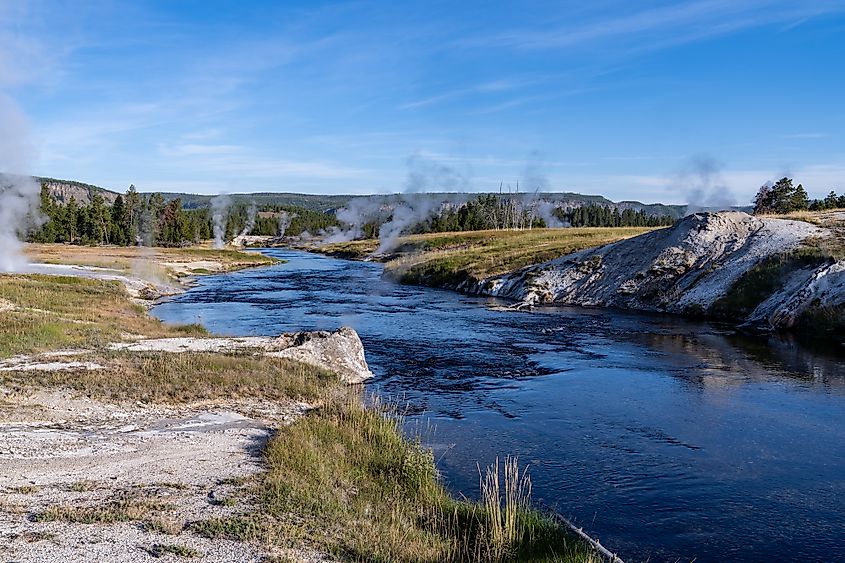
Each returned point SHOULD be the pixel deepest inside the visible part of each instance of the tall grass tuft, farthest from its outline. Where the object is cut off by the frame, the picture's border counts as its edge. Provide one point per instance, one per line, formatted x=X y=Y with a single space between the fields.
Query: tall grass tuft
x=505 y=494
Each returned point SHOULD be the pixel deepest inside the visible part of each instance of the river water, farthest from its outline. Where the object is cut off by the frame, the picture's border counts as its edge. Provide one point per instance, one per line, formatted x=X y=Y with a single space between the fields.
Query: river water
x=668 y=440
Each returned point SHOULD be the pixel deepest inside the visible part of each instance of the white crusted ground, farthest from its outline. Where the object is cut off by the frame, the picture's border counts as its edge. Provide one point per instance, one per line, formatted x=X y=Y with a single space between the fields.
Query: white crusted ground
x=686 y=267
x=59 y=450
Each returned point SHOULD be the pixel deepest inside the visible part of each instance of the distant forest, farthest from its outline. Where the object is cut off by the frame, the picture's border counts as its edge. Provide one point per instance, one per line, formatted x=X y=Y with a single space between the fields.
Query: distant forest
x=162 y=220
x=489 y=211
x=154 y=220
x=150 y=220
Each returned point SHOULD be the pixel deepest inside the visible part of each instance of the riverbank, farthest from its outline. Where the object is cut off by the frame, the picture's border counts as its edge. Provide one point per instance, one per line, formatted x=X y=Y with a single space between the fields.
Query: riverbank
x=125 y=450
x=464 y=260
x=764 y=274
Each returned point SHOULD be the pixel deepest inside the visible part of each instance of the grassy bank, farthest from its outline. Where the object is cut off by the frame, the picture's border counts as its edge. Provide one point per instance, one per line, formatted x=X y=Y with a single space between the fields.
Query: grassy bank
x=444 y=259
x=343 y=478
x=145 y=262
x=42 y=313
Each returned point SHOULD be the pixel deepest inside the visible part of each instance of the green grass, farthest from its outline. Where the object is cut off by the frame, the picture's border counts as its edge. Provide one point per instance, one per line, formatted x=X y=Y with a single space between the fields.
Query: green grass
x=447 y=259
x=246 y=527
x=53 y=312
x=768 y=277
x=345 y=479
x=823 y=324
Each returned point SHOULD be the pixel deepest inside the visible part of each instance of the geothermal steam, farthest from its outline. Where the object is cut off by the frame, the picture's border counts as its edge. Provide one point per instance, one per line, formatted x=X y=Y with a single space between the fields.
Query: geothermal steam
x=406 y=215
x=219 y=207
x=19 y=193
x=423 y=175
x=357 y=213
x=535 y=179
x=250 y=220
x=285 y=220
x=702 y=183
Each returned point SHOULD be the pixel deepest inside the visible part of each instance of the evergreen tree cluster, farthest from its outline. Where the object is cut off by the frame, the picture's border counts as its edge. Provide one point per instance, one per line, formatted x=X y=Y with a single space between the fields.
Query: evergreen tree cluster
x=132 y=219
x=605 y=216
x=150 y=220
x=489 y=211
x=831 y=201
x=300 y=220
x=783 y=197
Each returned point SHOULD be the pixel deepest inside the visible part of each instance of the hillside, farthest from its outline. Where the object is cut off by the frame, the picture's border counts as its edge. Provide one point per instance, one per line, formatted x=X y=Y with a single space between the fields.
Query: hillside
x=63 y=190
x=330 y=203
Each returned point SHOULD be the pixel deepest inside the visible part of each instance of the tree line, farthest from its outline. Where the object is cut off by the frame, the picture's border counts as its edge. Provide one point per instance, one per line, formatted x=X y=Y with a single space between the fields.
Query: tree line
x=489 y=211
x=603 y=216
x=133 y=219
x=784 y=197
x=150 y=220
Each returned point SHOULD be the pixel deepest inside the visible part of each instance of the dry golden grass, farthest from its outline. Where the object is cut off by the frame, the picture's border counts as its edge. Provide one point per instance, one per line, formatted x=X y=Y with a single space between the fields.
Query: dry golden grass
x=826 y=218
x=453 y=257
x=442 y=258
x=117 y=510
x=167 y=378
x=149 y=263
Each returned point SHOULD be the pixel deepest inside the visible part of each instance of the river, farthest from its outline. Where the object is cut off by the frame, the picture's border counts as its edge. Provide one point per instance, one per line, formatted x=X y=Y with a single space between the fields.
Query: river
x=669 y=440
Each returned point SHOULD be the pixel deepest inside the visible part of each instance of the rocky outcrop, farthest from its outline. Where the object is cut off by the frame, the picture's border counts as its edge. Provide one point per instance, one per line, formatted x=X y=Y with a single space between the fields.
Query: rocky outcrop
x=340 y=351
x=682 y=269
x=804 y=291
x=63 y=191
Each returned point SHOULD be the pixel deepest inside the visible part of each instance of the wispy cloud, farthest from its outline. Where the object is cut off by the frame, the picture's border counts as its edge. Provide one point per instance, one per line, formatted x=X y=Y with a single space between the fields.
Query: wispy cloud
x=804 y=136
x=683 y=22
x=492 y=87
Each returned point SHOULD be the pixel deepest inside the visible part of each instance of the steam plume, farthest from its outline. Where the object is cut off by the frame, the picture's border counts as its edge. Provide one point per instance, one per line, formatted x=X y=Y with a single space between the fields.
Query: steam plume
x=285 y=219
x=702 y=183
x=404 y=216
x=534 y=178
x=250 y=219
x=219 y=207
x=428 y=175
x=423 y=175
x=546 y=211
x=19 y=192
x=354 y=216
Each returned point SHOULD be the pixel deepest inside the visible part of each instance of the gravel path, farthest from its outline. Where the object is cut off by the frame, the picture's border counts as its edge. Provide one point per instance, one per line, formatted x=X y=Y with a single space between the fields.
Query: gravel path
x=188 y=464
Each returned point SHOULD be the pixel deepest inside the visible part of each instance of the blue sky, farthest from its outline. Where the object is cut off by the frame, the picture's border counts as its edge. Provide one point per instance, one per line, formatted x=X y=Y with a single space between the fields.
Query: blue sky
x=632 y=100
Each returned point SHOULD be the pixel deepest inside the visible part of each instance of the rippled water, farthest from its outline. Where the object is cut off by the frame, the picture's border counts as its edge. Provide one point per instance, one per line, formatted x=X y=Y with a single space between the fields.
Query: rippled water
x=668 y=440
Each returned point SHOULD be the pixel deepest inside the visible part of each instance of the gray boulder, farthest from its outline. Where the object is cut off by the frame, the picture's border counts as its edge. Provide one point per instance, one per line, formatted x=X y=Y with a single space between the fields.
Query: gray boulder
x=340 y=352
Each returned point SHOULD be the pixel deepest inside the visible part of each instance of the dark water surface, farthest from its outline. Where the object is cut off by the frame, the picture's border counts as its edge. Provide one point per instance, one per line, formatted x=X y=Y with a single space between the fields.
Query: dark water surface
x=668 y=440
